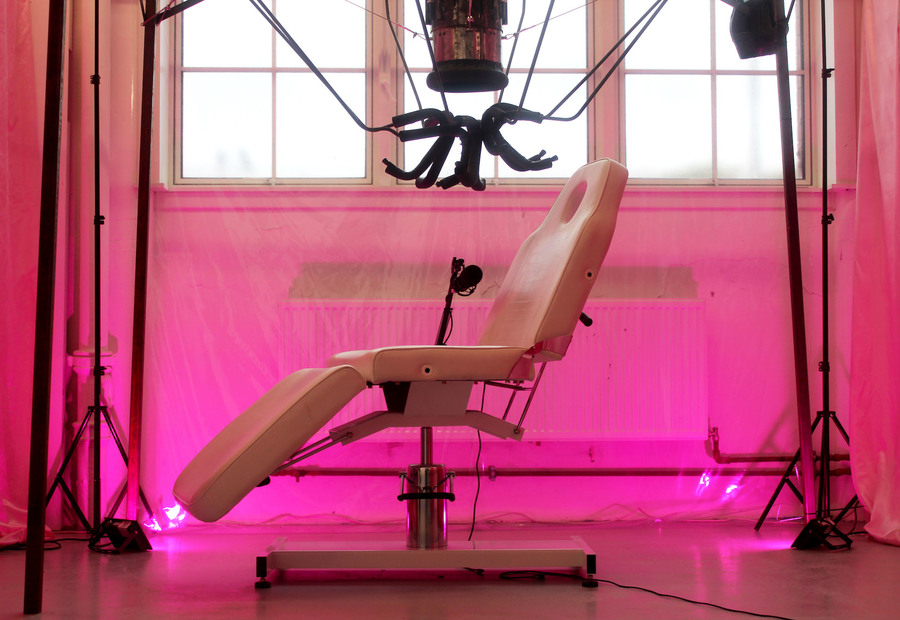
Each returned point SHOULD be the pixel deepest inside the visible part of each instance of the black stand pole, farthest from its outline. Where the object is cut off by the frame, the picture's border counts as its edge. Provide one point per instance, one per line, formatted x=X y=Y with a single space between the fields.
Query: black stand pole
x=819 y=525
x=140 y=268
x=43 y=332
x=97 y=413
x=827 y=415
x=801 y=371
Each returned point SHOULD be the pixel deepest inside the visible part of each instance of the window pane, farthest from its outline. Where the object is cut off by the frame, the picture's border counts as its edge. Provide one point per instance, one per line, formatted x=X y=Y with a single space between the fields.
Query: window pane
x=567 y=140
x=227 y=125
x=415 y=48
x=668 y=126
x=226 y=33
x=316 y=137
x=565 y=42
x=564 y=46
x=749 y=129
x=332 y=34
x=678 y=38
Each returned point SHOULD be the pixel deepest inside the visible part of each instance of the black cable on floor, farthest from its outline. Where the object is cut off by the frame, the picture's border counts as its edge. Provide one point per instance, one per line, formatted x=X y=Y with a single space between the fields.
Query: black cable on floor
x=541 y=575
x=477 y=469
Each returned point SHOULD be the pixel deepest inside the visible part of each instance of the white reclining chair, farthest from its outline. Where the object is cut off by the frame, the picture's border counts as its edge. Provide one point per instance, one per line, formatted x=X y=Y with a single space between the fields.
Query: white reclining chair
x=531 y=320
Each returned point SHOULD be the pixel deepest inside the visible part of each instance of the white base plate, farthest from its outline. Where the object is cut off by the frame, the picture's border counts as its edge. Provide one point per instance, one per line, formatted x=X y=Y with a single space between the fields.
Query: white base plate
x=284 y=555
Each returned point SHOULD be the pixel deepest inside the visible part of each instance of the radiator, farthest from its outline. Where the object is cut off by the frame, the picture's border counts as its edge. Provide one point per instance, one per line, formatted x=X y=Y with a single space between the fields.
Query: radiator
x=639 y=372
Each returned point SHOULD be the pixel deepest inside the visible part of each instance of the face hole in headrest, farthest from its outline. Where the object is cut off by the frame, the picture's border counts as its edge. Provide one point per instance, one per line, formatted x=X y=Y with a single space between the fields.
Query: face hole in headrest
x=573 y=201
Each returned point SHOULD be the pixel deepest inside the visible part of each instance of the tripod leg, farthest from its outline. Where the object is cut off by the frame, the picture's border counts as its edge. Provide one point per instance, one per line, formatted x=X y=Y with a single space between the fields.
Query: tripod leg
x=785 y=479
x=115 y=434
x=74 y=503
x=145 y=502
x=118 y=501
x=840 y=428
x=853 y=503
x=69 y=454
x=772 y=499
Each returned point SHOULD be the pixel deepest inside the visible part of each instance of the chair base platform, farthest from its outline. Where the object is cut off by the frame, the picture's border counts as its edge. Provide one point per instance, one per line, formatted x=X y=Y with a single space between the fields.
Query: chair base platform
x=283 y=554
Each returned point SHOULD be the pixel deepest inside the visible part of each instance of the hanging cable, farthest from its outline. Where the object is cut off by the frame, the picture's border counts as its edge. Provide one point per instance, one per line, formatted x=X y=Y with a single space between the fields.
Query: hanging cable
x=655 y=8
x=555 y=17
x=387 y=12
x=512 y=52
x=477 y=469
x=537 y=51
x=431 y=55
x=285 y=35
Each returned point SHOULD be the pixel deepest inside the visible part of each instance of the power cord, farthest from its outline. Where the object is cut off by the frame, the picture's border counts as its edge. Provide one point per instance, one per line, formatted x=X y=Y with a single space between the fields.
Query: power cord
x=477 y=469
x=477 y=486
x=542 y=575
x=49 y=545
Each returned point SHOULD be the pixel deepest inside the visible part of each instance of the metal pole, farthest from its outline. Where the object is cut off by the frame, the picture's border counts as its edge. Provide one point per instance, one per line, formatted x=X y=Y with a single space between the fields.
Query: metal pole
x=43 y=333
x=824 y=506
x=135 y=424
x=98 y=222
x=427 y=438
x=801 y=370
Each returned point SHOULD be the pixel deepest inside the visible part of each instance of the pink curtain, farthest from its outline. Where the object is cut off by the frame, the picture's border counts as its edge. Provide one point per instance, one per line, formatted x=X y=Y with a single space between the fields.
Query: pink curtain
x=875 y=374
x=20 y=170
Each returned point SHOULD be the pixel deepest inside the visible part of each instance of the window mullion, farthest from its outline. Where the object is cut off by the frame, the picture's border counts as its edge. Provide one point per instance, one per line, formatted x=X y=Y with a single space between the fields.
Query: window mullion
x=384 y=87
x=274 y=74
x=713 y=93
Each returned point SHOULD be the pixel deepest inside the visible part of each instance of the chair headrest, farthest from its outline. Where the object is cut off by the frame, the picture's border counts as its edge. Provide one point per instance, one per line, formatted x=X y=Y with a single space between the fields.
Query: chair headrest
x=553 y=272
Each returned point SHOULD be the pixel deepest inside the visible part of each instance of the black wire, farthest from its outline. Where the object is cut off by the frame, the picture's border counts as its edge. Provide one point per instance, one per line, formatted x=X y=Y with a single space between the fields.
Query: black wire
x=541 y=575
x=656 y=7
x=477 y=469
x=537 y=51
x=387 y=11
x=433 y=60
x=477 y=486
x=449 y=327
x=597 y=66
x=285 y=35
x=49 y=545
x=512 y=52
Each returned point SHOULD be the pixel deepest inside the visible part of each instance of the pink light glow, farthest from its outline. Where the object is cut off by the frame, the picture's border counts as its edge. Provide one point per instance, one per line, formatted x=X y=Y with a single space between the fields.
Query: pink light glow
x=175 y=516
x=702 y=484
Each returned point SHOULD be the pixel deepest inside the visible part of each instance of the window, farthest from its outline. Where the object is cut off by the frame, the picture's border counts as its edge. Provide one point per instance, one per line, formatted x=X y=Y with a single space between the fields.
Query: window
x=683 y=108
x=252 y=110
x=694 y=110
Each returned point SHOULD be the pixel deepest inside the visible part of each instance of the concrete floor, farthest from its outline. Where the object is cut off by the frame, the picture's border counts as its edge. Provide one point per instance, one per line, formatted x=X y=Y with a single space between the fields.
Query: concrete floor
x=209 y=572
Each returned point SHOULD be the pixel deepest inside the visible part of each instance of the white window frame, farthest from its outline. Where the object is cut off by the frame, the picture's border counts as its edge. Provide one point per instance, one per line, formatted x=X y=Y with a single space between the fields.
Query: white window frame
x=385 y=86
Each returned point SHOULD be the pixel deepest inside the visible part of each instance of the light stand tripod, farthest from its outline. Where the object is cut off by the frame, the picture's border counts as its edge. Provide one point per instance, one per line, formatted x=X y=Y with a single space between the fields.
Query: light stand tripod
x=818 y=530
x=97 y=412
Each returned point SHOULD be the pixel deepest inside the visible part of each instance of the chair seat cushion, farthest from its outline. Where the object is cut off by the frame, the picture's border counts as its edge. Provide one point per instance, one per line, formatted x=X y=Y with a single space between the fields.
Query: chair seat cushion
x=432 y=363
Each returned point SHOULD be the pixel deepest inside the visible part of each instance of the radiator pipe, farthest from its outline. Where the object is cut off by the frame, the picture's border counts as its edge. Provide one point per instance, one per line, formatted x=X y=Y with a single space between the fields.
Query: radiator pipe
x=546 y=472
x=712 y=449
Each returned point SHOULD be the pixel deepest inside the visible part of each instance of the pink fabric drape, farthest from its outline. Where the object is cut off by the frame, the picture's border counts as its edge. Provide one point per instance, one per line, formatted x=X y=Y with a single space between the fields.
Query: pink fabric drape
x=875 y=374
x=20 y=170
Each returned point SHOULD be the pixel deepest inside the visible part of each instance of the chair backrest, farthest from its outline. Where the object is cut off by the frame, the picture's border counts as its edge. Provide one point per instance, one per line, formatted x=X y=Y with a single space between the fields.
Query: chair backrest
x=551 y=276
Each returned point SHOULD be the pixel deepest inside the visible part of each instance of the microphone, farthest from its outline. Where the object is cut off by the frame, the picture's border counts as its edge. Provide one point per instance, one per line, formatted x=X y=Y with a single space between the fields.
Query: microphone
x=467 y=279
